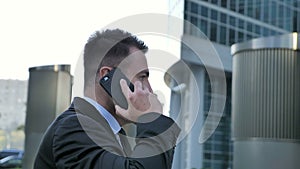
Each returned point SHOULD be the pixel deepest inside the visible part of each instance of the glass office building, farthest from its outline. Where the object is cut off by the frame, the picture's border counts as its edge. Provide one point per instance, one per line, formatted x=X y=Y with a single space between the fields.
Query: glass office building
x=231 y=21
x=218 y=149
x=224 y=22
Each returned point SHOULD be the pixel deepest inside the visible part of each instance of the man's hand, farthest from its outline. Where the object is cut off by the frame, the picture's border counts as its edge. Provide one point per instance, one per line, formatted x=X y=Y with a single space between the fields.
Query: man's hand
x=140 y=102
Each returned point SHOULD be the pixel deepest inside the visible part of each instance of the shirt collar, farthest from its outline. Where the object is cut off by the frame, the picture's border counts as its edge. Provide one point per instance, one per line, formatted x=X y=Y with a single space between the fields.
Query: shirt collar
x=113 y=123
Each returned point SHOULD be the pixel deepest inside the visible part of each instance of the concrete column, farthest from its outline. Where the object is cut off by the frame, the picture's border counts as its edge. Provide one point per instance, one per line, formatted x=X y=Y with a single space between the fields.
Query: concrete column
x=49 y=93
x=265 y=103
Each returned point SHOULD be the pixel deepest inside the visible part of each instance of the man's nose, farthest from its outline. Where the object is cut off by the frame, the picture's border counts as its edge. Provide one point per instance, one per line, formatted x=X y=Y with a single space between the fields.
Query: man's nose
x=147 y=84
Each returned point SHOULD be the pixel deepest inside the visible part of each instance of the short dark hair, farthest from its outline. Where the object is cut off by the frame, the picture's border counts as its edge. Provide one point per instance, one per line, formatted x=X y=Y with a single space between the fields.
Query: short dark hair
x=107 y=48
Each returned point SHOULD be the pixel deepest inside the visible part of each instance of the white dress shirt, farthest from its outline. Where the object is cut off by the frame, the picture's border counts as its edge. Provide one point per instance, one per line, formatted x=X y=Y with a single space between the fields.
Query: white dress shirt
x=113 y=123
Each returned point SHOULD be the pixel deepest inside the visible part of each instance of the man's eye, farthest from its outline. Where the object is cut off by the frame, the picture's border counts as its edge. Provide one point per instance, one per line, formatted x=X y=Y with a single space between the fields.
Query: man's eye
x=143 y=77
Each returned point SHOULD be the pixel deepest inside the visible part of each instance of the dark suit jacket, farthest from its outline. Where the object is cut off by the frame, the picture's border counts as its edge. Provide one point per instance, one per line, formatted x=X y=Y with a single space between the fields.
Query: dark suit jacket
x=81 y=138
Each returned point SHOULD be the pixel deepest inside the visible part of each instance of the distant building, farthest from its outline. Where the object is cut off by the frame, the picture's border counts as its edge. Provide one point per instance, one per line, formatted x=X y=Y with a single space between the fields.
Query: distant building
x=223 y=22
x=13 y=96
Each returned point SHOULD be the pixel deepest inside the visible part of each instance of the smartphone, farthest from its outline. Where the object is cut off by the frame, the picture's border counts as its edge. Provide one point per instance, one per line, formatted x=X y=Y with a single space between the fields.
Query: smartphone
x=111 y=84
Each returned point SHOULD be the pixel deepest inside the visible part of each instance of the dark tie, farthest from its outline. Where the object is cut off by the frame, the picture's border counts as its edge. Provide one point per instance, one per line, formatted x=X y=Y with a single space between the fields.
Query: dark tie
x=124 y=141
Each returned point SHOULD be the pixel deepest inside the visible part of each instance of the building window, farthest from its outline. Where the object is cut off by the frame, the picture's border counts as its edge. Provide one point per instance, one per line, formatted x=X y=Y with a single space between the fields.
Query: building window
x=194 y=21
x=241 y=6
x=295 y=22
x=204 y=11
x=265 y=11
x=203 y=26
x=223 y=18
x=214 y=15
x=265 y=32
x=213 y=32
x=249 y=27
x=257 y=29
x=194 y=8
x=257 y=9
x=206 y=165
x=288 y=19
x=273 y=33
x=207 y=156
x=232 y=21
x=248 y=37
x=215 y=2
x=250 y=8
x=223 y=35
x=273 y=9
x=232 y=5
x=231 y=36
x=280 y=16
x=240 y=36
x=241 y=23
x=224 y=3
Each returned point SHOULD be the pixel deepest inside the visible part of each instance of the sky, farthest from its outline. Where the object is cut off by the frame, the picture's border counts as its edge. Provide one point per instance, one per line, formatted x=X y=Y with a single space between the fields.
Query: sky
x=46 y=32
x=36 y=33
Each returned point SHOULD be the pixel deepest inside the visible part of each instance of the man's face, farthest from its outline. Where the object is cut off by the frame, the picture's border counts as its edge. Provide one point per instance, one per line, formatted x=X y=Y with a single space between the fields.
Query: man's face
x=135 y=67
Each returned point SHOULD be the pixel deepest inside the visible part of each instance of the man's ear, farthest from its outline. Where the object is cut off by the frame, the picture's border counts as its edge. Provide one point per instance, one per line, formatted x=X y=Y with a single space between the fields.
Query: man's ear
x=103 y=71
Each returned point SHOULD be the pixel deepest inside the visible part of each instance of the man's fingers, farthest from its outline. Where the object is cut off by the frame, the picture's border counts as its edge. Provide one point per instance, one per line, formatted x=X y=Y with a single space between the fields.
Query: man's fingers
x=120 y=111
x=138 y=85
x=125 y=89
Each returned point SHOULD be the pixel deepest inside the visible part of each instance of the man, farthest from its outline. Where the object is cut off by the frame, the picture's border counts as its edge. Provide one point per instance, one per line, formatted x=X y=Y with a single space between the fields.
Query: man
x=87 y=134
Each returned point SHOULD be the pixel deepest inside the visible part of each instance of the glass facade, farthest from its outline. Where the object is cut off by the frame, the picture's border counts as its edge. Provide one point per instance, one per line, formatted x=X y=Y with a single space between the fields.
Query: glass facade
x=242 y=19
x=227 y=22
x=218 y=149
